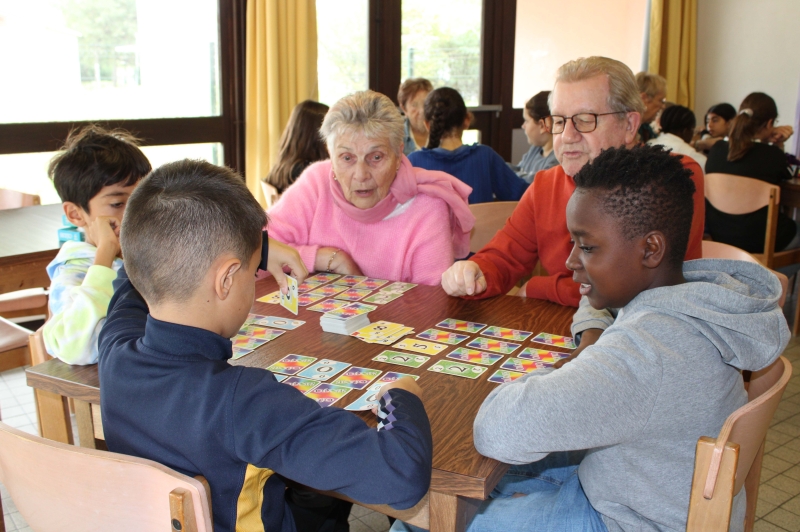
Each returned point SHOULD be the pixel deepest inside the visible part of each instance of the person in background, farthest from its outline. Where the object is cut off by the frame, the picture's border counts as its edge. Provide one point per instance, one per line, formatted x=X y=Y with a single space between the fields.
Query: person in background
x=300 y=145
x=754 y=149
x=677 y=127
x=536 y=124
x=719 y=119
x=653 y=90
x=479 y=166
x=411 y=97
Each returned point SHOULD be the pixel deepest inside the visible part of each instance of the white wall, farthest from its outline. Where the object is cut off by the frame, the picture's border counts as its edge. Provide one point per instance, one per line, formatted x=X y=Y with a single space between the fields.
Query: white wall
x=745 y=46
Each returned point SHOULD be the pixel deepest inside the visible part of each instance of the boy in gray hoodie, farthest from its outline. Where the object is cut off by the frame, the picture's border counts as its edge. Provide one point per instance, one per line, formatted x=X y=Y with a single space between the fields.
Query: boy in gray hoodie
x=664 y=374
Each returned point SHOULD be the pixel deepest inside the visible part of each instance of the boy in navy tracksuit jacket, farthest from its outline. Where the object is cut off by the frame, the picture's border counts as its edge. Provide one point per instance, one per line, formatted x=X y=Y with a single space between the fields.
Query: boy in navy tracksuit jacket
x=192 y=243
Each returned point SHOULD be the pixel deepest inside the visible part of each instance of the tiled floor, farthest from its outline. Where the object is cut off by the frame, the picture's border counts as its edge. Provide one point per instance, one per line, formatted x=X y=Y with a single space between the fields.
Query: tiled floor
x=779 y=496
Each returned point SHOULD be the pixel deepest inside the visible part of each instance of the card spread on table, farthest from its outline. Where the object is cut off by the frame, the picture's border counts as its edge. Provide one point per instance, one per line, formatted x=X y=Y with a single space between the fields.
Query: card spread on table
x=323 y=277
x=326 y=394
x=357 y=378
x=460 y=325
x=555 y=340
x=323 y=369
x=420 y=346
x=502 y=333
x=381 y=298
x=279 y=377
x=459 y=369
x=328 y=290
x=352 y=294
x=370 y=283
x=252 y=319
x=376 y=330
x=280 y=323
x=401 y=359
x=474 y=357
x=348 y=311
x=496 y=346
x=291 y=364
x=308 y=284
x=273 y=298
x=328 y=305
x=542 y=355
x=258 y=331
x=398 y=287
x=247 y=346
x=388 y=377
x=443 y=336
x=301 y=384
x=522 y=365
x=501 y=375
x=367 y=401
x=308 y=299
x=350 y=280
x=289 y=299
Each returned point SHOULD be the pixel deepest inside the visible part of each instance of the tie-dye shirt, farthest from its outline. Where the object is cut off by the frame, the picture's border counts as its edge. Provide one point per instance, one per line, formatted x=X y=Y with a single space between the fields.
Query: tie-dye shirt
x=79 y=297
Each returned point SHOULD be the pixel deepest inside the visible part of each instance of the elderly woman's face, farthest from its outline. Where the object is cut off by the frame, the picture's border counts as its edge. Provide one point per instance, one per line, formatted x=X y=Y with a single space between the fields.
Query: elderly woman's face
x=365 y=168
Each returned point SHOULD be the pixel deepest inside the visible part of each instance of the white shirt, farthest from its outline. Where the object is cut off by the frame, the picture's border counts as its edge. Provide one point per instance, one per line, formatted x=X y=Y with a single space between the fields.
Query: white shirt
x=678 y=145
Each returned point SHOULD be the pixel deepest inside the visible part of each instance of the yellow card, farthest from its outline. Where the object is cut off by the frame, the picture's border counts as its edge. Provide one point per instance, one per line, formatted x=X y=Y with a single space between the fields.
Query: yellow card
x=273 y=298
x=289 y=299
x=420 y=346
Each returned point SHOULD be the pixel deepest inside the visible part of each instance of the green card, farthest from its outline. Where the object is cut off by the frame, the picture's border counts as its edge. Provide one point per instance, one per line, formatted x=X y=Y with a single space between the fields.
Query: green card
x=458 y=369
x=401 y=359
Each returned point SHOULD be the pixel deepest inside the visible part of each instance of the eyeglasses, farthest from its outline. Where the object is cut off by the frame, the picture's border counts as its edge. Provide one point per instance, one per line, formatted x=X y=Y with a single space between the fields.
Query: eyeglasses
x=583 y=122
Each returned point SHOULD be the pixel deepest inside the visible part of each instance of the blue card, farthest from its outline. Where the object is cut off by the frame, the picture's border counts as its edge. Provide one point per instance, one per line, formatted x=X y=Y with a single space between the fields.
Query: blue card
x=323 y=370
x=367 y=401
x=280 y=323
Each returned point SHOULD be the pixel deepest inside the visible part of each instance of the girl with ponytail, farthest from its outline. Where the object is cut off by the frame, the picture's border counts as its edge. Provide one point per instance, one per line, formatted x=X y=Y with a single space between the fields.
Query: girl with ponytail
x=446 y=117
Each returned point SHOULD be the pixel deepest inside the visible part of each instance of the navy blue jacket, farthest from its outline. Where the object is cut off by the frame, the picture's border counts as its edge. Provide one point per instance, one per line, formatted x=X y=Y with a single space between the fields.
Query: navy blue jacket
x=168 y=394
x=478 y=166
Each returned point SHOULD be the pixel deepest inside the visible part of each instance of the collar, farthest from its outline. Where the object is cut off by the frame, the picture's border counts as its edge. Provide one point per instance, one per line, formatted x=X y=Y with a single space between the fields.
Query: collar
x=183 y=341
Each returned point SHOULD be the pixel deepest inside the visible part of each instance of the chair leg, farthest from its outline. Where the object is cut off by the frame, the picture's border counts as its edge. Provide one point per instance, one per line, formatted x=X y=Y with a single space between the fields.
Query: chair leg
x=751 y=484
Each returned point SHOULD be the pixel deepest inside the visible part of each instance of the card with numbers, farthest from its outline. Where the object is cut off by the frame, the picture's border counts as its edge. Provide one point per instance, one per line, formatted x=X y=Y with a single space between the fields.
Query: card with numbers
x=420 y=346
x=555 y=340
x=357 y=378
x=460 y=325
x=502 y=376
x=444 y=337
x=273 y=298
x=308 y=284
x=291 y=364
x=328 y=305
x=459 y=369
x=370 y=283
x=390 y=376
x=323 y=277
x=300 y=384
x=401 y=359
x=473 y=356
x=328 y=290
x=323 y=369
x=496 y=346
x=350 y=280
x=275 y=321
x=257 y=331
x=243 y=345
x=308 y=298
x=353 y=294
x=326 y=394
x=398 y=287
x=522 y=365
x=350 y=310
x=502 y=333
x=368 y=401
x=381 y=298
x=289 y=299
x=376 y=331
x=542 y=355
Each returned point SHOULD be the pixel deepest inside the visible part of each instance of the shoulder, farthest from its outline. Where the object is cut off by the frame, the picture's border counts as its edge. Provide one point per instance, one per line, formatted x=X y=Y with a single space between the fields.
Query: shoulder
x=313 y=181
x=78 y=255
x=426 y=205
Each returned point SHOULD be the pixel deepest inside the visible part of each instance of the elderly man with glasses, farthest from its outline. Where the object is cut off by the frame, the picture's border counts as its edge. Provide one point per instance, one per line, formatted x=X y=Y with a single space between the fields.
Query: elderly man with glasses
x=595 y=105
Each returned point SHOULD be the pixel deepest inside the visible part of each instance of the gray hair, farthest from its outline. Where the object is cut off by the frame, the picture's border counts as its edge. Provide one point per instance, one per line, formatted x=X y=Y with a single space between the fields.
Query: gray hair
x=623 y=94
x=651 y=84
x=369 y=112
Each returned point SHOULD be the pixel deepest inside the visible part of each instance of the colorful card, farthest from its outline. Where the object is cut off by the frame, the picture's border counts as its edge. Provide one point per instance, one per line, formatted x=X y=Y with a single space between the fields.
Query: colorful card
x=323 y=370
x=377 y=330
x=357 y=378
x=308 y=298
x=420 y=346
x=308 y=284
x=506 y=334
x=239 y=352
x=328 y=305
x=252 y=319
x=279 y=377
x=326 y=394
x=381 y=298
x=351 y=280
x=348 y=311
x=257 y=331
x=289 y=299
x=443 y=336
x=368 y=401
x=542 y=355
x=496 y=346
x=273 y=298
x=388 y=377
x=554 y=340
x=328 y=290
x=323 y=277
x=352 y=294
x=300 y=384
x=398 y=287
x=458 y=369
x=371 y=283
x=291 y=364
x=401 y=359
x=460 y=325
x=522 y=365
x=473 y=357
x=280 y=323
x=501 y=376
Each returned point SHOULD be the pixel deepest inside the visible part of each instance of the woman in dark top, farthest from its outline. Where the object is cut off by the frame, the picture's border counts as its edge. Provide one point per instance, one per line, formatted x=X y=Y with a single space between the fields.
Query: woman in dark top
x=300 y=145
x=754 y=149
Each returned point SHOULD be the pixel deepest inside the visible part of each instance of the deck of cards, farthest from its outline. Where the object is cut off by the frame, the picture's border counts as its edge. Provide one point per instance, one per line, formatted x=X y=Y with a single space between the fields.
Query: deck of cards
x=346 y=319
x=382 y=332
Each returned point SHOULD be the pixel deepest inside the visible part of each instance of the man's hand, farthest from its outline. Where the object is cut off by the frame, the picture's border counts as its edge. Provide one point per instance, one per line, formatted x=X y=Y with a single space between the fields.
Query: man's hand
x=463 y=278
x=103 y=233
x=282 y=256
x=337 y=261
x=588 y=338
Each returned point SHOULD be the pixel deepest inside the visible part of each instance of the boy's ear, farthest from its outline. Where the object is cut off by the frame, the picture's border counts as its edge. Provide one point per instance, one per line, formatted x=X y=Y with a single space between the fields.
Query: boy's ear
x=75 y=214
x=223 y=279
x=655 y=248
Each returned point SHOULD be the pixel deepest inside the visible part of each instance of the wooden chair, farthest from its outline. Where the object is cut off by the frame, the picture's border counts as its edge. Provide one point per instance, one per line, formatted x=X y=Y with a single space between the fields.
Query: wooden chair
x=13 y=345
x=733 y=460
x=62 y=487
x=718 y=250
x=271 y=195
x=489 y=219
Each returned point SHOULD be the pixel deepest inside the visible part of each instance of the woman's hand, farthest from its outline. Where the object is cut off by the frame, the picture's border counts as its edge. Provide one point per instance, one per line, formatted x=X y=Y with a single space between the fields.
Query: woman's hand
x=780 y=134
x=337 y=261
x=282 y=256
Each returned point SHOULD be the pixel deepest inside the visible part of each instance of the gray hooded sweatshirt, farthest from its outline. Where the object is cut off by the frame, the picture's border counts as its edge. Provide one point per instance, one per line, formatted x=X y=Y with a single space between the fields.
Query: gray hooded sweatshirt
x=664 y=374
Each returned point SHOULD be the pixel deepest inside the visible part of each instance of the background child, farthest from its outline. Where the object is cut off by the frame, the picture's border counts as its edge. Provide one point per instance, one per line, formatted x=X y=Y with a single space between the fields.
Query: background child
x=94 y=176
x=192 y=243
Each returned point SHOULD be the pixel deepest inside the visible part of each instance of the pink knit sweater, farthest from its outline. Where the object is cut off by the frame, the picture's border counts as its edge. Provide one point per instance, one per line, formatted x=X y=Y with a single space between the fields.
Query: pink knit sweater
x=413 y=244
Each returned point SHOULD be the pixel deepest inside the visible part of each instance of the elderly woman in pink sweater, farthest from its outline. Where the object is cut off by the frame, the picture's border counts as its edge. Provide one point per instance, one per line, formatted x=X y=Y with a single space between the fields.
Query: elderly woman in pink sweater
x=367 y=211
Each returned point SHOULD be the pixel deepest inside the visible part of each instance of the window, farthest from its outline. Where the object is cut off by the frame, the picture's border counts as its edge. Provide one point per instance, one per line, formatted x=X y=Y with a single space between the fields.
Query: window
x=342 y=48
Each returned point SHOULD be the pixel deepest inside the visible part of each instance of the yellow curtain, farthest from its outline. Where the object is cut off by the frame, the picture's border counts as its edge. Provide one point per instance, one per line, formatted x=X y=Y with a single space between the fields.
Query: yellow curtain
x=281 y=71
x=673 y=47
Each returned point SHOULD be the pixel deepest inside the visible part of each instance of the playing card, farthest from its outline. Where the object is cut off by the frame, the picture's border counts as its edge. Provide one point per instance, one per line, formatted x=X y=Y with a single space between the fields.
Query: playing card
x=388 y=377
x=252 y=319
x=458 y=369
x=323 y=277
x=554 y=340
x=401 y=359
x=370 y=283
x=301 y=384
x=521 y=365
x=323 y=370
x=328 y=305
x=350 y=280
x=245 y=344
x=496 y=346
x=473 y=357
x=443 y=336
x=398 y=287
x=368 y=401
x=542 y=355
x=326 y=394
x=273 y=298
x=381 y=298
x=308 y=284
x=420 y=346
x=289 y=299
x=348 y=311
x=308 y=298
x=506 y=334
x=460 y=325
x=328 y=290
x=352 y=294
x=239 y=352
x=376 y=330
x=280 y=323
x=291 y=364
x=500 y=376
x=279 y=377
x=357 y=378
x=257 y=331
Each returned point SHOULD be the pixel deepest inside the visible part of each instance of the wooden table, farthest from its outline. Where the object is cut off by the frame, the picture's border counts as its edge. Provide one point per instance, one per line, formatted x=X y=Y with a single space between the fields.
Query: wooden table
x=28 y=243
x=461 y=477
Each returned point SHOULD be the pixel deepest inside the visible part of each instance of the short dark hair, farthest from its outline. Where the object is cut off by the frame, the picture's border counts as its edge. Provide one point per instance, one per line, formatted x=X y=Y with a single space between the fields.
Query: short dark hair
x=182 y=217
x=723 y=110
x=93 y=158
x=646 y=189
x=677 y=119
x=537 y=106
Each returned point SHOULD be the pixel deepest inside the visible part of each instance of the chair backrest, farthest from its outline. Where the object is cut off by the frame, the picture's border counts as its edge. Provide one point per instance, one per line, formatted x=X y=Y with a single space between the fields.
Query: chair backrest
x=718 y=250
x=270 y=194
x=39 y=353
x=62 y=487
x=11 y=199
x=489 y=218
